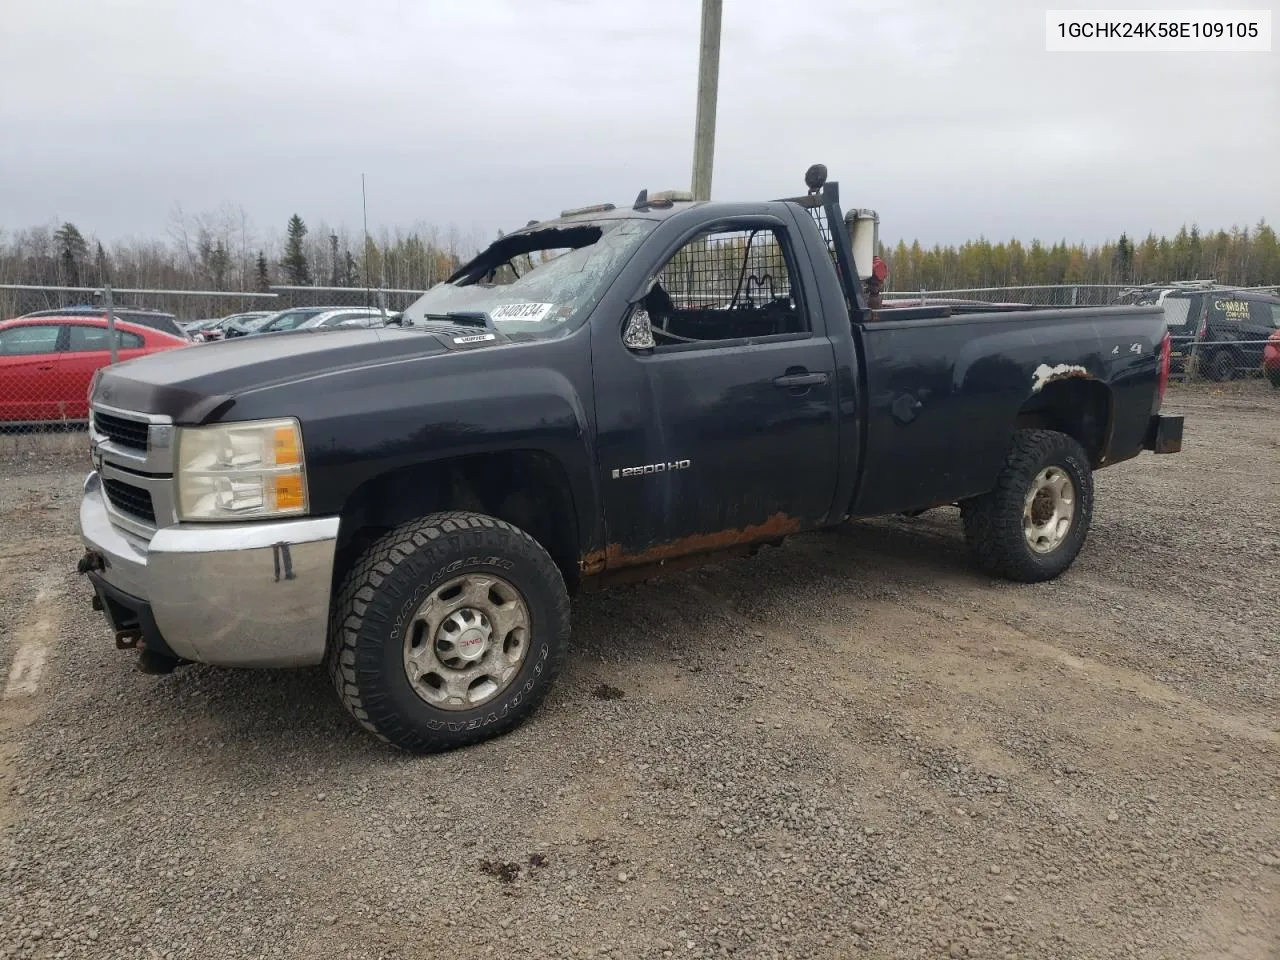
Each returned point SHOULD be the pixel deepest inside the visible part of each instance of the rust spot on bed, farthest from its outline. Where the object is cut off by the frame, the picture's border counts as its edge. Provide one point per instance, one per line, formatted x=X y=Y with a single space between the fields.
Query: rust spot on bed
x=612 y=557
x=1045 y=375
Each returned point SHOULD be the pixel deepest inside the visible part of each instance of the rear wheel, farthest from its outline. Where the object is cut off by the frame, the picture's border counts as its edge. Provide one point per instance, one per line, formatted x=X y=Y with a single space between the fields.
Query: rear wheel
x=1274 y=377
x=1222 y=367
x=448 y=631
x=1031 y=526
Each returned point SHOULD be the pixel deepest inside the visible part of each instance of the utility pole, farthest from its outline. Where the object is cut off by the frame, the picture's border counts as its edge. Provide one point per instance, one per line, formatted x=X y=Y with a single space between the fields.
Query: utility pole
x=364 y=212
x=111 y=320
x=704 y=134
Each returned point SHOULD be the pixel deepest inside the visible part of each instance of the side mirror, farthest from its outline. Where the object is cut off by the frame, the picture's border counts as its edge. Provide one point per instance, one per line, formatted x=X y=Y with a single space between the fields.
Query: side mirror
x=646 y=289
x=638 y=334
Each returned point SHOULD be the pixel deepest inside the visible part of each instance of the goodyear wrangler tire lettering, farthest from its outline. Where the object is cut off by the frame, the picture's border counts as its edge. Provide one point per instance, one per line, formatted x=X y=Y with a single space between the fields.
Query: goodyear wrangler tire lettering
x=375 y=607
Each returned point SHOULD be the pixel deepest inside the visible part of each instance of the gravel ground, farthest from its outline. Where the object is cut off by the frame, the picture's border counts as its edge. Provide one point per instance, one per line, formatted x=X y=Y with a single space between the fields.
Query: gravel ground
x=853 y=745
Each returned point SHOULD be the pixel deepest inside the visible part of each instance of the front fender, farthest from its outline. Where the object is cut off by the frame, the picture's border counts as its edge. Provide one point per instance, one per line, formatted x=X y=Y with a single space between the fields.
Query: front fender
x=371 y=421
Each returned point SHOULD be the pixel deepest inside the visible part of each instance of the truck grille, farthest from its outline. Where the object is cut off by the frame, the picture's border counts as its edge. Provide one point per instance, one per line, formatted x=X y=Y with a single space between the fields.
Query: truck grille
x=129 y=499
x=126 y=433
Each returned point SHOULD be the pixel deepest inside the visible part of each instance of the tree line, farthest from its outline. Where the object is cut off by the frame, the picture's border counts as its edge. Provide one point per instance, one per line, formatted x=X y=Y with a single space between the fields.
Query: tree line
x=222 y=251
x=1239 y=256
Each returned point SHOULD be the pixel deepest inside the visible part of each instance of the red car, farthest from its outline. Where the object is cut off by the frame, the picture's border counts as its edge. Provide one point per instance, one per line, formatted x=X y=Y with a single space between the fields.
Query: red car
x=1271 y=359
x=46 y=363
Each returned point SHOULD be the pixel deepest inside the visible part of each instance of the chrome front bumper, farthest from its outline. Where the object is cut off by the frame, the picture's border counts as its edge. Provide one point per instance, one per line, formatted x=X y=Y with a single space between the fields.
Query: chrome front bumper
x=236 y=595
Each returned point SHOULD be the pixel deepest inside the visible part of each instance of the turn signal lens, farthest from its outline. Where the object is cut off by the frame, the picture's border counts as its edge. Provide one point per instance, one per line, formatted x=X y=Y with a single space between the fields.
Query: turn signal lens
x=289 y=493
x=286 y=445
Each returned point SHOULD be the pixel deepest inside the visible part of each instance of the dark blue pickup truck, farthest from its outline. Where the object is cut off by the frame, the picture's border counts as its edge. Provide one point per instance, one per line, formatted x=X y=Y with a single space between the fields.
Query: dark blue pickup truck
x=604 y=396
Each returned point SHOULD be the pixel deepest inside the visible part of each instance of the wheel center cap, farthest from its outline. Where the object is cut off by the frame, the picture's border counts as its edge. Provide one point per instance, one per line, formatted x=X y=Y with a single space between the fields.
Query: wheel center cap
x=471 y=644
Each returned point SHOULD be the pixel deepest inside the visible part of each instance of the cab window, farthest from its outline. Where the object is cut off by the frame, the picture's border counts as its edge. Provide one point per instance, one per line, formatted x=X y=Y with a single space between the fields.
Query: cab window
x=29 y=340
x=86 y=339
x=1178 y=312
x=726 y=284
x=1266 y=316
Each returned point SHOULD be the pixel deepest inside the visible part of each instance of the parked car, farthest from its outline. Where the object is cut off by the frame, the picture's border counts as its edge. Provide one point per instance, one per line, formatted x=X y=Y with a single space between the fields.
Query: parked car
x=215 y=329
x=1235 y=331
x=155 y=319
x=413 y=506
x=47 y=362
x=349 y=317
x=1225 y=330
x=274 y=322
x=1271 y=360
x=195 y=329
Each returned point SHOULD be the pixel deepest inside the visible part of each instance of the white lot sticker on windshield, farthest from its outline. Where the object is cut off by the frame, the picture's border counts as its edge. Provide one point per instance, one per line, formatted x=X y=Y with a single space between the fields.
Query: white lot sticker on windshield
x=523 y=312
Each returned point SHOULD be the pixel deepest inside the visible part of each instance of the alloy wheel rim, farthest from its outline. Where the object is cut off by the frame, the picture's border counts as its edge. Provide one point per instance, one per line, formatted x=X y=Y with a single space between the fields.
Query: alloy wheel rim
x=1049 y=511
x=467 y=642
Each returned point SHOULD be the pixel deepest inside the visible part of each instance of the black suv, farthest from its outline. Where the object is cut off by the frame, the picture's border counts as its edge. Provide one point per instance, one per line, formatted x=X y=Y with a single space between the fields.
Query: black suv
x=1225 y=331
x=164 y=322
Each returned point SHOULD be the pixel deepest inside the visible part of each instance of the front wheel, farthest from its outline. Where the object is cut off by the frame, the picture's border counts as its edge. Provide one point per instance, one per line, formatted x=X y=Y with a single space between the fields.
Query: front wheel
x=449 y=630
x=1032 y=525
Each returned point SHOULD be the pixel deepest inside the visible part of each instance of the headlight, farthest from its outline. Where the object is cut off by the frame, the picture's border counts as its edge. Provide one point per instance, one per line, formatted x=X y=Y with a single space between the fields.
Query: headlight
x=241 y=471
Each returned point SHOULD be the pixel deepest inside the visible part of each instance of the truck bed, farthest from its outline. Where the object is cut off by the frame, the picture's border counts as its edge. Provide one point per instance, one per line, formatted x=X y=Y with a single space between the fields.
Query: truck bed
x=934 y=388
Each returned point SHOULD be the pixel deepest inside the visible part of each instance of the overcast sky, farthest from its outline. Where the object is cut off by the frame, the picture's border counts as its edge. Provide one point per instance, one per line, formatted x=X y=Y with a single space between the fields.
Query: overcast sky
x=947 y=116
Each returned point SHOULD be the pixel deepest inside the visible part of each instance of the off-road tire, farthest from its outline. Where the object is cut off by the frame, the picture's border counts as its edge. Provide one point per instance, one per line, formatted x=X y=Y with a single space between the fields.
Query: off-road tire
x=382 y=592
x=1274 y=377
x=993 y=522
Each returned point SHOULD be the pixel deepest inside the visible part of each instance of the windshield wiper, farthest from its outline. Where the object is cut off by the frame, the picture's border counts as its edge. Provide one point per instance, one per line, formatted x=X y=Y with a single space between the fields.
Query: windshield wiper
x=464 y=318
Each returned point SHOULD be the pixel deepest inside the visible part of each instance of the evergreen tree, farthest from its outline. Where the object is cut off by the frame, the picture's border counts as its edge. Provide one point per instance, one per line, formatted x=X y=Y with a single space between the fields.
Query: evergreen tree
x=1195 y=251
x=264 y=273
x=350 y=271
x=219 y=264
x=1123 y=260
x=100 y=265
x=72 y=250
x=1264 y=265
x=295 y=264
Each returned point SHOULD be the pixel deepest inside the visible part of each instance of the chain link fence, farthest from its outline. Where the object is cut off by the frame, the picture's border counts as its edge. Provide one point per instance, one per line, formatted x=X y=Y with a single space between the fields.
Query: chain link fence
x=189 y=306
x=18 y=300
x=392 y=300
x=1055 y=295
x=1219 y=334
x=53 y=339
x=1070 y=294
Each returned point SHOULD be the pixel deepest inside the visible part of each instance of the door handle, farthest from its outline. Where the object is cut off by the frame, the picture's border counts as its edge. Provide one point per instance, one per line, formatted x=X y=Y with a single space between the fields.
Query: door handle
x=790 y=381
x=44 y=367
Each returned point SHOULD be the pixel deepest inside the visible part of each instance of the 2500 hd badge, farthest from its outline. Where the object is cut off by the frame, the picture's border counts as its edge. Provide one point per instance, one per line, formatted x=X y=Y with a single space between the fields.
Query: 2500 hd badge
x=651 y=468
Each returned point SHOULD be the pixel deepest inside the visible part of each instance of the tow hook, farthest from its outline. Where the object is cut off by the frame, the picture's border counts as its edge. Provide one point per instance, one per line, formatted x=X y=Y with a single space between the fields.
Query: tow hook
x=128 y=639
x=90 y=562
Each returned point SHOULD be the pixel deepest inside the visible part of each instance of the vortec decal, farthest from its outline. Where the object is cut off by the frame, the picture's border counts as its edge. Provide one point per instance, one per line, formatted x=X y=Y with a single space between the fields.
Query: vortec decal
x=651 y=468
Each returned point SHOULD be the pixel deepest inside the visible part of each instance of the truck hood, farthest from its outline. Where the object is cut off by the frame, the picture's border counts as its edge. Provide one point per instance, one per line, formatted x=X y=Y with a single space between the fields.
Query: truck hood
x=196 y=383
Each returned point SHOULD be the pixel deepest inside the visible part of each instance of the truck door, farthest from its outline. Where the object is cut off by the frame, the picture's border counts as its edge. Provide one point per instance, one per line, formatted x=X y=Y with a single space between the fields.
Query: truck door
x=724 y=430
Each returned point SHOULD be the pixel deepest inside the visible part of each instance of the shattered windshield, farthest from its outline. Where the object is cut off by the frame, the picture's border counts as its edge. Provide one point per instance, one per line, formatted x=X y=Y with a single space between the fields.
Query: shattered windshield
x=538 y=283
